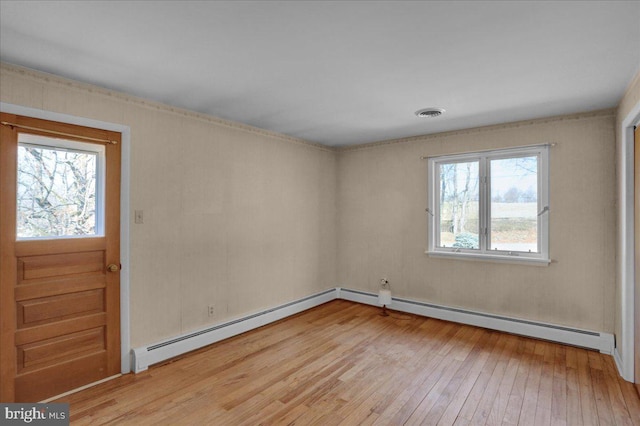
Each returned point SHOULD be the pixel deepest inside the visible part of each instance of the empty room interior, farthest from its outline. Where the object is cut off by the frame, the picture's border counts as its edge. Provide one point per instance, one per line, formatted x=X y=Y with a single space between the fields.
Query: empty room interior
x=275 y=212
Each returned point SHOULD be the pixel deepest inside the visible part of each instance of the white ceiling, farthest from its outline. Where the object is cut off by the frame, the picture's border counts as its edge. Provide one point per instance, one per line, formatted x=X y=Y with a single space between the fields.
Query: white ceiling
x=339 y=73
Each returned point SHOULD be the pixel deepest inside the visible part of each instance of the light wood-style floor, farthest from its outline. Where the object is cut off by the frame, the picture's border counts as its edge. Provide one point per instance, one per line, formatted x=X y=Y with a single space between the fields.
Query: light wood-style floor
x=342 y=363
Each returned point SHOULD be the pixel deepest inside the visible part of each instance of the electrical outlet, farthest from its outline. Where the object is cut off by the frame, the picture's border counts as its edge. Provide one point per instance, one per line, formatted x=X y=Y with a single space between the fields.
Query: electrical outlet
x=212 y=311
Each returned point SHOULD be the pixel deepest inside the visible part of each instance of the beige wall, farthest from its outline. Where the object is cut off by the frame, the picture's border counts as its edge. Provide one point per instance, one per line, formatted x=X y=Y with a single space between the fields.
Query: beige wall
x=382 y=224
x=236 y=217
x=630 y=99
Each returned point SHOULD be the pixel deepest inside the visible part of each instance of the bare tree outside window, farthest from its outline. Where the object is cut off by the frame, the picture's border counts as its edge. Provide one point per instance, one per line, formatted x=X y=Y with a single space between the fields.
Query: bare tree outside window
x=459 y=206
x=56 y=192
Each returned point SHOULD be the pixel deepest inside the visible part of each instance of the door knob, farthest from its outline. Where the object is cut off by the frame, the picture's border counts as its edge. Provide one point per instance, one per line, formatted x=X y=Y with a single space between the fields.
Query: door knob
x=113 y=268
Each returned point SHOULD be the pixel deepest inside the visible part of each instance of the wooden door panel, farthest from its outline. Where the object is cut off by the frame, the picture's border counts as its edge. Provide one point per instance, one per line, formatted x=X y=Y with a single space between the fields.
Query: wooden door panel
x=47 y=352
x=58 y=378
x=46 y=247
x=57 y=265
x=60 y=317
x=56 y=308
x=59 y=286
x=59 y=328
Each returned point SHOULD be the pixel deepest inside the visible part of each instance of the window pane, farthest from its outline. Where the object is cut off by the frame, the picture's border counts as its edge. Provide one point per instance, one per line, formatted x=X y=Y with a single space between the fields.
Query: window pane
x=56 y=194
x=514 y=204
x=459 y=207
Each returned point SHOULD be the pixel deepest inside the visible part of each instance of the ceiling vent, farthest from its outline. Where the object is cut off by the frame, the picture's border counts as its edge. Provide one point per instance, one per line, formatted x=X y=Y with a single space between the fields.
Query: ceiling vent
x=430 y=112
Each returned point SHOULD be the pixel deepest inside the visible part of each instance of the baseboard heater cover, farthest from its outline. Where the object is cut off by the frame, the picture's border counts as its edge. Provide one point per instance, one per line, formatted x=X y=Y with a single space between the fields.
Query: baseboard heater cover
x=145 y=356
x=603 y=342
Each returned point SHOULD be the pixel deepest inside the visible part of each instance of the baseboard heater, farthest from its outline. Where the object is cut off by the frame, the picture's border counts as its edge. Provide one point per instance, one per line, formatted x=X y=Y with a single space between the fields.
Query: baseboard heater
x=145 y=356
x=603 y=342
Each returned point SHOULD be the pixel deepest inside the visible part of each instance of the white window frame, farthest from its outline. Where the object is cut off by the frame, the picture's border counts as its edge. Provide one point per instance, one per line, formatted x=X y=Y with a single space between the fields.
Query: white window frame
x=484 y=252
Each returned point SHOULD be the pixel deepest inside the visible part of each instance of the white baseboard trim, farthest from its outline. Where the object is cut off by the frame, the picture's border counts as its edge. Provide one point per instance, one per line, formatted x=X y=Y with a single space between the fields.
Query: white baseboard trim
x=620 y=366
x=600 y=341
x=145 y=356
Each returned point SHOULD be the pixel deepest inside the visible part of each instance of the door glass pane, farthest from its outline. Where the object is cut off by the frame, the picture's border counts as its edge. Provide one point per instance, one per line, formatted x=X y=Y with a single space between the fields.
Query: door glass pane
x=57 y=189
x=459 y=205
x=514 y=204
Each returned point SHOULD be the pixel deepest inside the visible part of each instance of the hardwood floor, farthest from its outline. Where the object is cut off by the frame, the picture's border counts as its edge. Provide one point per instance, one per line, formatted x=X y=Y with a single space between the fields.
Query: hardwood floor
x=342 y=363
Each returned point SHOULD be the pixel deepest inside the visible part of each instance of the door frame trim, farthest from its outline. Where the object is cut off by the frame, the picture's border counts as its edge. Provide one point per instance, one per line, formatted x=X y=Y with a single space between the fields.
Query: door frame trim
x=626 y=247
x=125 y=333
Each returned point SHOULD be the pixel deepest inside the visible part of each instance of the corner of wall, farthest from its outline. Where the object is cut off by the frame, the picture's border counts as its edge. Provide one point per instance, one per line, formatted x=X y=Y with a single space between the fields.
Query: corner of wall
x=628 y=114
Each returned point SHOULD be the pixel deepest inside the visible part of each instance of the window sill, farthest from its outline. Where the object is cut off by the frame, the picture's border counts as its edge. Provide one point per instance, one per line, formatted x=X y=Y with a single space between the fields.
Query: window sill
x=491 y=258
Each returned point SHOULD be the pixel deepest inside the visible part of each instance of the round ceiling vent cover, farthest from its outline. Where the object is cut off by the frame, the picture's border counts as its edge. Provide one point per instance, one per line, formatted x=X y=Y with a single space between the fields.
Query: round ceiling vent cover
x=430 y=112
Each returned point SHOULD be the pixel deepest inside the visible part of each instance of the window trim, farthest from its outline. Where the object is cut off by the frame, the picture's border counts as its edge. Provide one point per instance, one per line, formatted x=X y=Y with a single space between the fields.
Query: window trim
x=484 y=253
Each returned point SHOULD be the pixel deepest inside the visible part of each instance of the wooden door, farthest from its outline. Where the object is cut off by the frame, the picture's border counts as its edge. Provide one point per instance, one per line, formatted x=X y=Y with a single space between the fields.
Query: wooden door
x=59 y=257
x=636 y=221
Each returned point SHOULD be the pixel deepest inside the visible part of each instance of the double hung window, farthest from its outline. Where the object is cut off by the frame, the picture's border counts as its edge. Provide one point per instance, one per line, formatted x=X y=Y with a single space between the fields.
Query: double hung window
x=490 y=205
